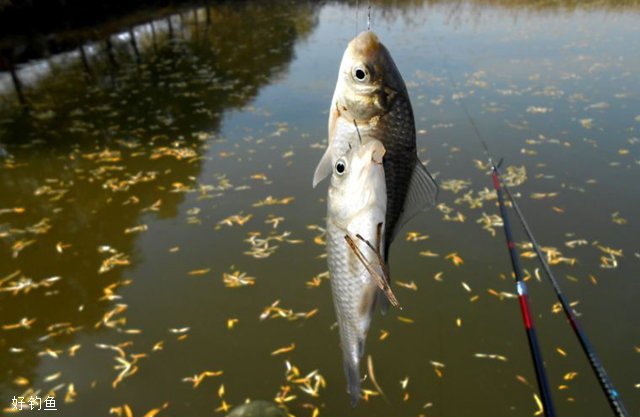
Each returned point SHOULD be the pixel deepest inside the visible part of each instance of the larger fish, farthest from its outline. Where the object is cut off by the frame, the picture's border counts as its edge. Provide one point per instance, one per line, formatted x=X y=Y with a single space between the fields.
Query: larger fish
x=371 y=94
x=356 y=206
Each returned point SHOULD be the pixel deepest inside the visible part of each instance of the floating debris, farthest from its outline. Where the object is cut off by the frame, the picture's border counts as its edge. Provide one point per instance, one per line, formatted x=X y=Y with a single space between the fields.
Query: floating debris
x=261 y=247
x=197 y=379
x=126 y=364
x=490 y=222
x=500 y=358
x=271 y=201
x=238 y=219
x=24 y=284
x=416 y=237
x=136 y=229
x=410 y=286
x=274 y=311
x=455 y=186
x=237 y=279
x=285 y=349
x=115 y=260
x=455 y=258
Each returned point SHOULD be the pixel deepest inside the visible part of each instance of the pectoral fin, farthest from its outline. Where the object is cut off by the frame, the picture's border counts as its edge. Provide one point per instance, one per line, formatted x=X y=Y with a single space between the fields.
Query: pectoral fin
x=324 y=167
x=421 y=195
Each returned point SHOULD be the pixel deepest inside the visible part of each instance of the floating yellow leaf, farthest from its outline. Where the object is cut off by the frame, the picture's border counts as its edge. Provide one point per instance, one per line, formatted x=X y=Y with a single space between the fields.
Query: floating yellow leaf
x=136 y=229
x=411 y=286
x=238 y=219
x=237 y=279
x=21 y=381
x=523 y=380
x=52 y=377
x=285 y=349
x=224 y=407
x=569 y=376
x=454 y=186
x=617 y=219
x=270 y=201
x=457 y=260
x=538 y=196
x=416 y=236
x=71 y=394
x=539 y=404
x=198 y=378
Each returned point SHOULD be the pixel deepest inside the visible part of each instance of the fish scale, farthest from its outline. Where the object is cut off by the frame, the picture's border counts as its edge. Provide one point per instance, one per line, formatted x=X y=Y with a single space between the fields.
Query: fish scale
x=348 y=277
x=398 y=135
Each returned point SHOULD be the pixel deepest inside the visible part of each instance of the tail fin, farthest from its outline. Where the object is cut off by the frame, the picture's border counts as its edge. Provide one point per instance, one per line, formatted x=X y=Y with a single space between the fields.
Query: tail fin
x=352 y=372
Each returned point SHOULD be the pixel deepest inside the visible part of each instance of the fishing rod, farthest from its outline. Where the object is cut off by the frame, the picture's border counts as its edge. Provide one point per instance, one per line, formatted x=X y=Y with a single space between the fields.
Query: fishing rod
x=606 y=384
x=534 y=347
x=523 y=298
x=603 y=378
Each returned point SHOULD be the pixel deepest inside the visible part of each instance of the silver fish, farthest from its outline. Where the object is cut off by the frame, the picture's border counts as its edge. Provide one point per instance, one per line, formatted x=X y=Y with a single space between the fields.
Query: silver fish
x=356 y=210
x=371 y=94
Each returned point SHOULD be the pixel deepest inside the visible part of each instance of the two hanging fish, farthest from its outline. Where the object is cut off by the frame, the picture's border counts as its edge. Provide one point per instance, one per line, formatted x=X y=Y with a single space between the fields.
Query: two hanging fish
x=377 y=185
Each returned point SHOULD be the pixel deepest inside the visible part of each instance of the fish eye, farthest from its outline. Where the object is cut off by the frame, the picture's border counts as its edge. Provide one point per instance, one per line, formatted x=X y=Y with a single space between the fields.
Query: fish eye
x=341 y=167
x=360 y=73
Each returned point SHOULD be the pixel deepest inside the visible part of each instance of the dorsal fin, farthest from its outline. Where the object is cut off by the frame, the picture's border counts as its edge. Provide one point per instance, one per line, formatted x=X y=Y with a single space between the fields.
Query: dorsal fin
x=421 y=195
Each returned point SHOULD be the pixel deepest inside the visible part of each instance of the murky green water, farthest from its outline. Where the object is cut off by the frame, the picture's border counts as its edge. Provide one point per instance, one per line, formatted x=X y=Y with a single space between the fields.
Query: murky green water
x=119 y=189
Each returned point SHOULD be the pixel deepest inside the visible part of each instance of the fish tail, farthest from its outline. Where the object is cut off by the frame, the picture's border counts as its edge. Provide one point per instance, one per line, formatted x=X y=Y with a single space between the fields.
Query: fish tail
x=352 y=372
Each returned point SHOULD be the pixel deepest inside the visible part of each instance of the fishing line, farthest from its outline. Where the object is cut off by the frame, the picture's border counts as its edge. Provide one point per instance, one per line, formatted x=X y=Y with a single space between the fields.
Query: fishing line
x=357 y=4
x=611 y=393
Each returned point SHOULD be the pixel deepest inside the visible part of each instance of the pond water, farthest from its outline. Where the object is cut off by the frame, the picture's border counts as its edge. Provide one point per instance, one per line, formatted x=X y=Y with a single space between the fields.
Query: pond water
x=156 y=200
